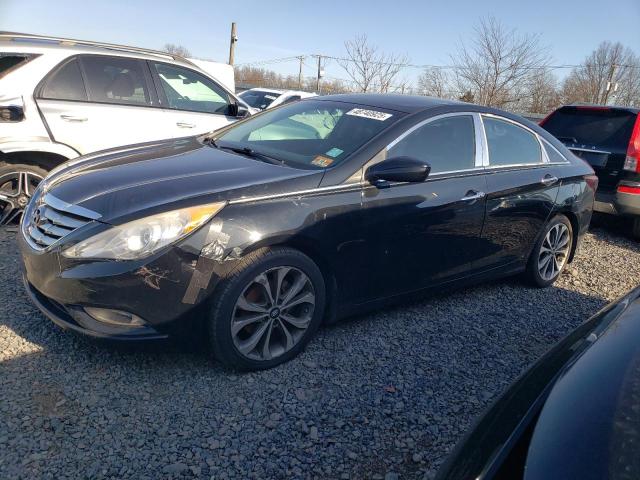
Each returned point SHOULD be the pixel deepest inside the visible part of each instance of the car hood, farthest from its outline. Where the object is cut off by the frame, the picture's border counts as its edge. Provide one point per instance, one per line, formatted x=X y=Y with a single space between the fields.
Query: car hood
x=132 y=182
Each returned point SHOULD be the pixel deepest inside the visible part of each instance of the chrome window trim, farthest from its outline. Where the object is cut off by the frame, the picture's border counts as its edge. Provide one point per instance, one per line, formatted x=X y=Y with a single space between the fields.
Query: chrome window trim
x=478 y=153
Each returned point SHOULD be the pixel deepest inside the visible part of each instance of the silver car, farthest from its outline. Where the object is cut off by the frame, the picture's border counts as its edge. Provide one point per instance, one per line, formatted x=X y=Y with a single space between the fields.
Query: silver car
x=62 y=98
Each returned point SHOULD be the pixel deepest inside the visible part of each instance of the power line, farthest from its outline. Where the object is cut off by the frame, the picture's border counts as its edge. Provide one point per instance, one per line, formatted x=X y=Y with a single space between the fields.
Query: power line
x=413 y=65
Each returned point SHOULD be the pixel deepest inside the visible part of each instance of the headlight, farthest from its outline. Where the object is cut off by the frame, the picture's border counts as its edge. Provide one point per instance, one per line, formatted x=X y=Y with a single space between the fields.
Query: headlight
x=141 y=238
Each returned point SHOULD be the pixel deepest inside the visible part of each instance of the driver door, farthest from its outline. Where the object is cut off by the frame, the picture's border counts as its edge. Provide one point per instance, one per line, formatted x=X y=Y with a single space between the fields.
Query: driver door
x=422 y=234
x=193 y=103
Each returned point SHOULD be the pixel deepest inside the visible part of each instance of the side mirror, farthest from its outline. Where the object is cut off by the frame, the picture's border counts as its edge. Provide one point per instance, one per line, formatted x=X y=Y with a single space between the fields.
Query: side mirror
x=238 y=110
x=397 y=169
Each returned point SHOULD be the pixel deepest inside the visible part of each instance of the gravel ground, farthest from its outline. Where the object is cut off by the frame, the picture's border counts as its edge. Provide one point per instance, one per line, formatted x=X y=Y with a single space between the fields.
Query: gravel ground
x=382 y=396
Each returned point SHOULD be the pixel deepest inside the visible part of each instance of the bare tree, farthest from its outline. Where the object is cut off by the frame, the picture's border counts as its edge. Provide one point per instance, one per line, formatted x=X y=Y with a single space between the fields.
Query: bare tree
x=176 y=50
x=610 y=73
x=369 y=68
x=541 y=93
x=434 y=82
x=496 y=65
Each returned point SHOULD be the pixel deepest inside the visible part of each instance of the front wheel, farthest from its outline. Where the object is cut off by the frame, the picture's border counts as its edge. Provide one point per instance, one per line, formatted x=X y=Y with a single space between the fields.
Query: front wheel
x=17 y=184
x=266 y=312
x=551 y=252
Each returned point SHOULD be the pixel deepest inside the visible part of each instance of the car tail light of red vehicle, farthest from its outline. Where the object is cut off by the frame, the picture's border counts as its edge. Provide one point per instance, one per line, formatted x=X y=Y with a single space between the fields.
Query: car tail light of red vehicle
x=629 y=189
x=632 y=162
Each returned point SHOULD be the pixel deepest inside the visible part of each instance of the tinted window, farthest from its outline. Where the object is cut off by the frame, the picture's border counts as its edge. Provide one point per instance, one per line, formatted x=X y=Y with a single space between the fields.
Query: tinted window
x=188 y=90
x=447 y=144
x=309 y=134
x=292 y=98
x=10 y=62
x=553 y=154
x=116 y=80
x=595 y=127
x=66 y=83
x=258 y=98
x=510 y=144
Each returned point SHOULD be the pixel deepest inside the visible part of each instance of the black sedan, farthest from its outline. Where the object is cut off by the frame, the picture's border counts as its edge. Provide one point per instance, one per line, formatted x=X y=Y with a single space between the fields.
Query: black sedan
x=306 y=213
x=573 y=415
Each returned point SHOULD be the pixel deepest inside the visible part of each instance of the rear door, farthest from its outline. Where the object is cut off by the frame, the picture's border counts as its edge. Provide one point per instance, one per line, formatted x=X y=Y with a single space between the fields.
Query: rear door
x=598 y=135
x=194 y=103
x=523 y=185
x=93 y=102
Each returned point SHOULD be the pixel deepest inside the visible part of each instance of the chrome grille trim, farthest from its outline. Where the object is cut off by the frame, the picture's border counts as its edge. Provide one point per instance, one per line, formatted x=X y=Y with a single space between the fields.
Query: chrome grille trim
x=50 y=220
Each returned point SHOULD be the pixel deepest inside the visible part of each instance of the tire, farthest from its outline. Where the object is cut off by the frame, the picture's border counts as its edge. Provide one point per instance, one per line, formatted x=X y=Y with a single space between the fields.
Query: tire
x=539 y=271
x=239 y=296
x=635 y=228
x=13 y=198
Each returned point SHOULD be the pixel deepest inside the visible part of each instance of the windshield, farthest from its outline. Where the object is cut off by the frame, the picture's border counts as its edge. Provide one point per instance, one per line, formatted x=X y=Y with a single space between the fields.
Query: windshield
x=258 y=98
x=309 y=134
x=603 y=128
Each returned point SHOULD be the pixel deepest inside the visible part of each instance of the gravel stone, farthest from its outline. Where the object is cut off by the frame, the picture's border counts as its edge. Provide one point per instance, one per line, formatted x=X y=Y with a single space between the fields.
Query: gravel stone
x=381 y=396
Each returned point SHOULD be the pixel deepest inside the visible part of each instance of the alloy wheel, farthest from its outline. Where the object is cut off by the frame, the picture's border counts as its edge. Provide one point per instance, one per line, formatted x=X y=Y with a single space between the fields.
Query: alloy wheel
x=554 y=251
x=16 y=189
x=273 y=313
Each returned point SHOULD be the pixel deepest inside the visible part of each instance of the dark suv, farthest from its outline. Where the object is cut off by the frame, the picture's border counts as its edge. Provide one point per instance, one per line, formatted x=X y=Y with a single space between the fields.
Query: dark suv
x=608 y=138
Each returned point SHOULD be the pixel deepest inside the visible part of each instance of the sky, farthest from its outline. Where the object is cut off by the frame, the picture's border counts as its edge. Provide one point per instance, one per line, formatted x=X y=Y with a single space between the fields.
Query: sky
x=427 y=31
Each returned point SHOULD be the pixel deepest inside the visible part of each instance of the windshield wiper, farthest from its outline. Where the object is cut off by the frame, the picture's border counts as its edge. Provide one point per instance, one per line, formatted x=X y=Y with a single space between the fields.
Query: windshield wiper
x=249 y=152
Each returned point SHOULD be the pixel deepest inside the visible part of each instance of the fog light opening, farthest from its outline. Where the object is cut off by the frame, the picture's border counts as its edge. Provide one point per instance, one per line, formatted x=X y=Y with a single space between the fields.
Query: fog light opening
x=114 y=317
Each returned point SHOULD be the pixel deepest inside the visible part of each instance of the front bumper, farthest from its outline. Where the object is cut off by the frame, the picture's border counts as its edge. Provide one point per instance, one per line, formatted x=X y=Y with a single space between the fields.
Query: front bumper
x=617 y=203
x=159 y=290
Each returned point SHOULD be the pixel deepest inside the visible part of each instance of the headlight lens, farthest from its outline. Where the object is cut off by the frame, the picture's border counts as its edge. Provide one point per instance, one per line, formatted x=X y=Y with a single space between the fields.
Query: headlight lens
x=141 y=238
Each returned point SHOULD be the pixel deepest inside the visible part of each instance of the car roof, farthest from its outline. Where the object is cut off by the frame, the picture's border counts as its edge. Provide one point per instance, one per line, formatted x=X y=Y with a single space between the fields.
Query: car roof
x=391 y=101
x=28 y=43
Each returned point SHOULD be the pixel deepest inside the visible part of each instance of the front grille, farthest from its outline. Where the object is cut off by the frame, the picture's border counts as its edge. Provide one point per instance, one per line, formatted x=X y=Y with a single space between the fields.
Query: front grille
x=51 y=219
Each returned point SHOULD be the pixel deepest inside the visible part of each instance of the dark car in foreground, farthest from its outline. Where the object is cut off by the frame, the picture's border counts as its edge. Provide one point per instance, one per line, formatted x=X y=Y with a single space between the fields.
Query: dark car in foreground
x=312 y=211
x=608 y=138
x=574 y=415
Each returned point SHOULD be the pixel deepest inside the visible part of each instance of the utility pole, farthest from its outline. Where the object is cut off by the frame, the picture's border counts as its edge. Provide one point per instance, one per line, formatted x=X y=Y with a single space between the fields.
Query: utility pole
x=232 y=43
x=320 y=73
x=609 y=86
x=301 y=58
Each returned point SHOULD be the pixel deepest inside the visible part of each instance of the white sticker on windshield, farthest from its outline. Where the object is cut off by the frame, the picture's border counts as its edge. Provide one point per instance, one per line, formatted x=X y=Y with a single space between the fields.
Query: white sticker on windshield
x=372 y=114
x=270 y=97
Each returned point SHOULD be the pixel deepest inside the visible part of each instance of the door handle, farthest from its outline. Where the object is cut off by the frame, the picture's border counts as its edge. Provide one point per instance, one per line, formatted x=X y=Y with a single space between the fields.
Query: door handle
x=185 y=125
x=549 y=180
x=73 y=118
x=473 y=195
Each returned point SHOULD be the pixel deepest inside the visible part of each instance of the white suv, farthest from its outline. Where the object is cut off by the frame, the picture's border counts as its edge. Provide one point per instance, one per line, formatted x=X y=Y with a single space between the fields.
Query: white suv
x=62 y=98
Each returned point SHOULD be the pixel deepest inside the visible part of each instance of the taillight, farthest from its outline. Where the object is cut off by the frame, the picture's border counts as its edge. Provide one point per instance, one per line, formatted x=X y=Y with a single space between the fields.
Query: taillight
x=632 y=161
x=629 y=189
x=592 y=181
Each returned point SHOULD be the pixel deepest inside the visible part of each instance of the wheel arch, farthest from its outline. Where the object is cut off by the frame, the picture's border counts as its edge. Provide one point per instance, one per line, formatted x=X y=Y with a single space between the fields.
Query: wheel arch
x=43 y=159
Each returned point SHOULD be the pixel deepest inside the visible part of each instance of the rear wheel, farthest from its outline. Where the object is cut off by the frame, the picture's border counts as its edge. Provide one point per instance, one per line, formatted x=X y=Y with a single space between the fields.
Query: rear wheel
x=266 y=312
x=551 y=252
x=17 y=184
